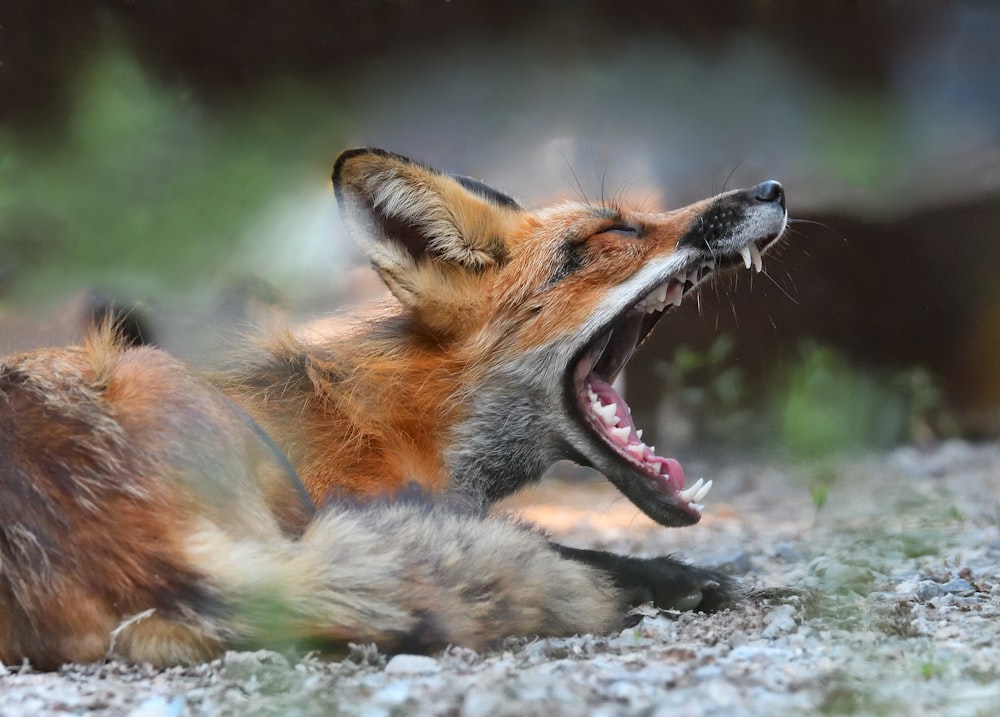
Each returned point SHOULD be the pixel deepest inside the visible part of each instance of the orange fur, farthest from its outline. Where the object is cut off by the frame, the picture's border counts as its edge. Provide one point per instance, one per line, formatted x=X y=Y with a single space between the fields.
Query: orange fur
x=163 y=517
x=372 y=409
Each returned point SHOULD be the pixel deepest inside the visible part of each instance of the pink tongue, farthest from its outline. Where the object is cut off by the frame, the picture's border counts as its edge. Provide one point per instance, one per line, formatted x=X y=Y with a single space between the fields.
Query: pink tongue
x=671 y=471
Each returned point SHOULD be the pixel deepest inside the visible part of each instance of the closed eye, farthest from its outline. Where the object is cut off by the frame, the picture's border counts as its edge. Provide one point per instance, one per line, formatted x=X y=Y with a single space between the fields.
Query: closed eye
x=621 y=228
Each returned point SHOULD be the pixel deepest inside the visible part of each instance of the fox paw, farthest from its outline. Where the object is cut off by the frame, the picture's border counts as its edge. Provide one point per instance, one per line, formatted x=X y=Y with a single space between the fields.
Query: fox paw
x=674 y=585
x=667 y=582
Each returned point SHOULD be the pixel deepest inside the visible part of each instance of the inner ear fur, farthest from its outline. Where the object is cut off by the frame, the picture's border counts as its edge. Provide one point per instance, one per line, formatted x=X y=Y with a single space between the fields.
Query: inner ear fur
x=428 y=234
x=385 y=197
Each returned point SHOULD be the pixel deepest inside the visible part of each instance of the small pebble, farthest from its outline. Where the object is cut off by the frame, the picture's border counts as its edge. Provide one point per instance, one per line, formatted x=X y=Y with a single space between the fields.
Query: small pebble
x=483 y=703
x=159 y=706
x=958 y=586
x=412 y=665
x=928 y=589
x=780 y=621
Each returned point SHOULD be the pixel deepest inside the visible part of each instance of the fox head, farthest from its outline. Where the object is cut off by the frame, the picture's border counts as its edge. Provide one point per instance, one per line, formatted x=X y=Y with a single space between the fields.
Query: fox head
x=539 y=311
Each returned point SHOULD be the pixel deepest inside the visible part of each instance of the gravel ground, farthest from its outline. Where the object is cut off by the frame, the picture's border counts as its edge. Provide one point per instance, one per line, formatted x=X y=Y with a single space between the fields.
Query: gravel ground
x=896 y=613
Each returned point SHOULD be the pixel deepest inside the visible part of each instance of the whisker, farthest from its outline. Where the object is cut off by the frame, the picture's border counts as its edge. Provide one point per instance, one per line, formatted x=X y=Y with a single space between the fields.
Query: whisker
x=726 y=183
x=780 y=287
x=619 y=198
x=576 y=179
x=800 y=220
x=602 y=173
x=647 y=201
x=829 y=228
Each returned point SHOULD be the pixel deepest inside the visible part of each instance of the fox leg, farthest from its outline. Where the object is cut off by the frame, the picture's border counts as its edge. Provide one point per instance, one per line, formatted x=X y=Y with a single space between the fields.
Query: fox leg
x=665 y=581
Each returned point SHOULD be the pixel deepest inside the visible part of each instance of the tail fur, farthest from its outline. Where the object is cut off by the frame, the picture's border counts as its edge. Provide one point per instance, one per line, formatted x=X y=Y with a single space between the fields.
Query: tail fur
x=408 y=577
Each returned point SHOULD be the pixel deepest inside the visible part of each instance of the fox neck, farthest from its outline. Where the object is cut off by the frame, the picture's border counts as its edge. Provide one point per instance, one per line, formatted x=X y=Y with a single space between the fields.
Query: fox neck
x=382 y=405
x=504 y=439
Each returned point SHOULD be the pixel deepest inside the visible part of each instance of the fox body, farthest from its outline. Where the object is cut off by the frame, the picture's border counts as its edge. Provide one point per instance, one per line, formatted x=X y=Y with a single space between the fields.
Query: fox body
x=335 y=489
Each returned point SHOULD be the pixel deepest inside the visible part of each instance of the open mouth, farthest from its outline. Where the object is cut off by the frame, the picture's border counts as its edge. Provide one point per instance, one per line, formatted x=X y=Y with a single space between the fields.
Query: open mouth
x=660 y=490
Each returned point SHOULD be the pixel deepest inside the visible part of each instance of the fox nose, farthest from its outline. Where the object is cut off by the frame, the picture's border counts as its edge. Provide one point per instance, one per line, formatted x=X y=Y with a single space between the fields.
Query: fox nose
x=770 y=191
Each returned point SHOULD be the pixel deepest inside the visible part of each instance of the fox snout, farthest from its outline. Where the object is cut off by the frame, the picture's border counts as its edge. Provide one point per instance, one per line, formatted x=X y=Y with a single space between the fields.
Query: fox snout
x=744 y=222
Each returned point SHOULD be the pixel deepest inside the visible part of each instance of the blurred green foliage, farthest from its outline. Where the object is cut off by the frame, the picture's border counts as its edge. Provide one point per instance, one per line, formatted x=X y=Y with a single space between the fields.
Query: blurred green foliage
x=706 y=390
x=139 y=186
x=858 y=140
x=823 y=408
x=830 y=407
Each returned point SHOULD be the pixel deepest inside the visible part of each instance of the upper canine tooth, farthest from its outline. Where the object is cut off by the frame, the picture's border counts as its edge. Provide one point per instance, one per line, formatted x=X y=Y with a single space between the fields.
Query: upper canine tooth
x=747 y=259
x=674 y=295
x=758 y=265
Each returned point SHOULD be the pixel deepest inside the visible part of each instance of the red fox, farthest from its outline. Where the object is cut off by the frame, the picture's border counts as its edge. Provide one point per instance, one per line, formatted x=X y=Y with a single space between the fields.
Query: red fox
x=336 y=490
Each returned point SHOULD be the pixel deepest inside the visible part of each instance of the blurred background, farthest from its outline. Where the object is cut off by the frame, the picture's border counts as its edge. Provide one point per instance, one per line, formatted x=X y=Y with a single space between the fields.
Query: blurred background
x=174 y=157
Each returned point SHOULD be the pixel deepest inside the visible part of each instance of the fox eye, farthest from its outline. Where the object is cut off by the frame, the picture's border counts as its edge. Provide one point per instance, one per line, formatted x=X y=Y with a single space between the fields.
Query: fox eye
x=622 y=228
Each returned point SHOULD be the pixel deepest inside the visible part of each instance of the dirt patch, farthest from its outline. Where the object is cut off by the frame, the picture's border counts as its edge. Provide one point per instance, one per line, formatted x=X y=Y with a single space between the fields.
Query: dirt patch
x=896 y=612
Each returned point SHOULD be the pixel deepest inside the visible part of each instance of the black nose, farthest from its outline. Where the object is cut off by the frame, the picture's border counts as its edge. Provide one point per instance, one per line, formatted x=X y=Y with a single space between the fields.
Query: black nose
x=770 y=191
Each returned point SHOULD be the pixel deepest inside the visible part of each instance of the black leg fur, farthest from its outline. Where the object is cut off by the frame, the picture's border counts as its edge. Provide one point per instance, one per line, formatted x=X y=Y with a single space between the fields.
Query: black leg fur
x=667 y=582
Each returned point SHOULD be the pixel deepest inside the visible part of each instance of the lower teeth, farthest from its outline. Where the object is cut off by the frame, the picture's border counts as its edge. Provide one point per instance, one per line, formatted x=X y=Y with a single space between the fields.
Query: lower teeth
x=622 y=435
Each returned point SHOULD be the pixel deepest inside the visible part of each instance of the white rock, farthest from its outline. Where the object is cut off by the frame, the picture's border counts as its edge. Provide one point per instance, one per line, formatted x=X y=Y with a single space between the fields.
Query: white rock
x=159 y=706
x=780 y=621
x=412 y=665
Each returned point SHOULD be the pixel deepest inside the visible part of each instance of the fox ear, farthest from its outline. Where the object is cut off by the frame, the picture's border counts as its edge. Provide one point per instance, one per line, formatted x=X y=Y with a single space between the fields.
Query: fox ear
x=413 y=221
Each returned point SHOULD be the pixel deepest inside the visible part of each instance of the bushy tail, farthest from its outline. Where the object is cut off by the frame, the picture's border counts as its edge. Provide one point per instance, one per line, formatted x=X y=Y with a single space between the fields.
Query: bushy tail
x=409 y=577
